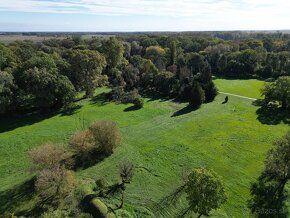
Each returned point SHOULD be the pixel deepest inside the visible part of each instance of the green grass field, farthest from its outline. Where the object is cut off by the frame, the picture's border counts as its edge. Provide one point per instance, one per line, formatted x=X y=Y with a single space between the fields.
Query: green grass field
x=249 y=88
x=227 y=138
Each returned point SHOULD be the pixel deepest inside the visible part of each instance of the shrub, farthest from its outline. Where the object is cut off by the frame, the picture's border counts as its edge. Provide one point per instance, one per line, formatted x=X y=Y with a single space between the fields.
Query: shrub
x=138 y=102
x=107 y=136
x=48 y=156
x=129 y=97
x=126 y=169
x=54 y=184
x=197 y=96
x=82 y=143
x=210 y=91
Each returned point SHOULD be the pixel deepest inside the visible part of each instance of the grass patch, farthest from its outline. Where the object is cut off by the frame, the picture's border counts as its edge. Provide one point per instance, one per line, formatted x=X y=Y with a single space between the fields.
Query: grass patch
x=249 y=88
x=227 y=138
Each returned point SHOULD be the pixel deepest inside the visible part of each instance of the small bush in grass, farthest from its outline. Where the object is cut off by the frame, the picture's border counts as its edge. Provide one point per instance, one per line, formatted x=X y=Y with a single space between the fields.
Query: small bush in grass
x=82 y=143
x=54 y=184
x=107 y=136
x=129 y=97
x=48 y=156
x=138 y=102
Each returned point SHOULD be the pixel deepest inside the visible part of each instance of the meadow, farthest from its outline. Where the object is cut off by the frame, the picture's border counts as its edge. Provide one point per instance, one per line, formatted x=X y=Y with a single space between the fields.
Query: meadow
x=161 y=139
x=249 y=88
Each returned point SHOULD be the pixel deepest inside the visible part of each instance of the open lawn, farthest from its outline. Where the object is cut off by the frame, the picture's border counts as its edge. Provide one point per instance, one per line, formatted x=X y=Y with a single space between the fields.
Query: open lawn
x=161 y=139
x=249 y=88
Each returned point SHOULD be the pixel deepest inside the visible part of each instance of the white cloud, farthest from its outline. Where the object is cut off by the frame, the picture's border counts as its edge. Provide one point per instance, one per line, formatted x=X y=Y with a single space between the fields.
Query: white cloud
x=148 y=7
x=204 y=14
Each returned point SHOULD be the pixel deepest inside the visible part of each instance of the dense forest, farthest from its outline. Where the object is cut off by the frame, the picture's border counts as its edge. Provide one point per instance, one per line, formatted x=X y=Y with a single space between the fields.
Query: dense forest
x=47 y=75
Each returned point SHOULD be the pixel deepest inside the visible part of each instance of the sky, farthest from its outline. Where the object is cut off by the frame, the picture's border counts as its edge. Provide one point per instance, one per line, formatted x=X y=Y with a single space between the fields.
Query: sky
x=143 y=15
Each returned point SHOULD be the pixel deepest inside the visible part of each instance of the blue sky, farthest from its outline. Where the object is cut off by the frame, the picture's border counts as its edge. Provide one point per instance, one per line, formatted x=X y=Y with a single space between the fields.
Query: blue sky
x=143 y=15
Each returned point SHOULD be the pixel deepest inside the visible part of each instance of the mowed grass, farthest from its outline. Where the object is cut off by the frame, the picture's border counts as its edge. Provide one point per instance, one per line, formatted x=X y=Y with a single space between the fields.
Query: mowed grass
x=227 y=138
x=249 y=88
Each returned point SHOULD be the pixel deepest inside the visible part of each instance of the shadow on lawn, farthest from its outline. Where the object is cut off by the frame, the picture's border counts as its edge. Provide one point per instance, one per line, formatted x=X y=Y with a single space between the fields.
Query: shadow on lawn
x=84 y=161
x=183 y=111
x=268 y=198
x=11 y=199
x=100 y=99
x=131 y=108
x=10 y=122
x=271 y=114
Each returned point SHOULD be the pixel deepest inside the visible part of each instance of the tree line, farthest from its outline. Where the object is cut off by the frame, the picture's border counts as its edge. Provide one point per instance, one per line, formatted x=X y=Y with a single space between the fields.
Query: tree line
x=48 y=75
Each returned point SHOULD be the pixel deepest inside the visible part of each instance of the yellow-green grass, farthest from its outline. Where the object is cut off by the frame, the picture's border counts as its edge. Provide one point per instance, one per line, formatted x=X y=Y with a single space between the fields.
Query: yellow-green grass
x=227 y=138
x=249 y=88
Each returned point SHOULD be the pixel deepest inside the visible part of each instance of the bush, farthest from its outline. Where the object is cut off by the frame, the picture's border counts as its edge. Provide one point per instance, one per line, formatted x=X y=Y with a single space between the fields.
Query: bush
x=48 y=156
x=107 y=136
x=210 y=92
x=129 y=97
x=82 y=143
x=197 y=96
x=54 y=184
x=138 y=102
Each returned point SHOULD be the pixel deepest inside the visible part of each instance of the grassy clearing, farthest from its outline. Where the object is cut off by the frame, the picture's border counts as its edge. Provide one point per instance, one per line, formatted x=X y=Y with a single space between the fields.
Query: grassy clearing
x=227 y=138
x=249 y=88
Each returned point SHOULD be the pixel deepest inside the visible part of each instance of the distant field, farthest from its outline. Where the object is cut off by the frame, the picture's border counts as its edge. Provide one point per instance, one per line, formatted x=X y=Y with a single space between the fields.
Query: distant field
x=249 y=88
x=227 y=138
x=6 y=39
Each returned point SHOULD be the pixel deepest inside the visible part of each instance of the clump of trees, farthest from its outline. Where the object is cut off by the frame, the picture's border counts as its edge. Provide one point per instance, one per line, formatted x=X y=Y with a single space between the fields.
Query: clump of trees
x=107 y=136
x=53 y=162
x=54 y=180
x=268 y=192
x=278 y=91
x=98 y=141
x=49 y=74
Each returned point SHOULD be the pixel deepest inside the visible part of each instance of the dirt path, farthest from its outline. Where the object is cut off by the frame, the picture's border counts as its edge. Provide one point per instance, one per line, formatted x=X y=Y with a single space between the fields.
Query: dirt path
x=239 y=96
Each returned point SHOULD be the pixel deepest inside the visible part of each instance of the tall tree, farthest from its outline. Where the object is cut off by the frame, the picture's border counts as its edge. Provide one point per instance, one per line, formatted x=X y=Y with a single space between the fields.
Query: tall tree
x=197 y=95
x=205 y=191
x=6 y=91
x=87 y=67
x=39 y=77
x=113 y=50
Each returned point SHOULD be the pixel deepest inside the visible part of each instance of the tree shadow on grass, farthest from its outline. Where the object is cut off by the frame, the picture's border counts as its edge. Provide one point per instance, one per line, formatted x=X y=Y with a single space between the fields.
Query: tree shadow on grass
x=183 y=111
x=88 y=160
x=100 y=99
x=268 y=199
x=131 y=108
x=10 y=122
x=11 y=199
x=71 y=110
x=271 y=114
x=155 y=96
